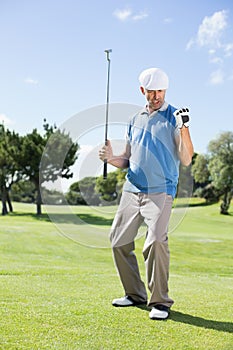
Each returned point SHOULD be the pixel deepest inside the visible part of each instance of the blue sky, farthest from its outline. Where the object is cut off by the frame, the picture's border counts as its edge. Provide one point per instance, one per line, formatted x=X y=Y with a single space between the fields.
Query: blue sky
x=53 y=65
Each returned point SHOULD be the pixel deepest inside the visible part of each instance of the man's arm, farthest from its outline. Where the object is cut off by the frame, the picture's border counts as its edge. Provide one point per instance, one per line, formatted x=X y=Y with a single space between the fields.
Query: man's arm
x=119 y=161
x=184 y=146
x=183 y=139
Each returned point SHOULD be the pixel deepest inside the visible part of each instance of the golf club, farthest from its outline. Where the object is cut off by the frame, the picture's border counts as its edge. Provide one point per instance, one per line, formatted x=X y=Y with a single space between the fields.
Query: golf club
x=106 y=117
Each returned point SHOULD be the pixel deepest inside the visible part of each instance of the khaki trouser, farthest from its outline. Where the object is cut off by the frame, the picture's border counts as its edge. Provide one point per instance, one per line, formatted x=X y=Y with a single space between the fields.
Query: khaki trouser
x=155 y=210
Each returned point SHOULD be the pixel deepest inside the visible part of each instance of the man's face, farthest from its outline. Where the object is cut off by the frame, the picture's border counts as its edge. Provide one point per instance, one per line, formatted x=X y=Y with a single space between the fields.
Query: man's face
x=155 y=98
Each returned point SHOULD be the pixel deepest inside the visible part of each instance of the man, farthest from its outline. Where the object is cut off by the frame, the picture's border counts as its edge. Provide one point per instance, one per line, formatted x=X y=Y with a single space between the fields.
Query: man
x=158 y=139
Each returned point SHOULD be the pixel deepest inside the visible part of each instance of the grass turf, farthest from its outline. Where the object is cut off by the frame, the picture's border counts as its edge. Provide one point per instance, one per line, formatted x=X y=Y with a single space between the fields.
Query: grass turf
x=56 y=294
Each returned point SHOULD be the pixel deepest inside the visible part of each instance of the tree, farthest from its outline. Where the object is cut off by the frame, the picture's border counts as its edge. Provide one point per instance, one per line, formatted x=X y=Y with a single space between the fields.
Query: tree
x=46 y=158
x=74 y=196
x=107 y=188
x=31 y=151
x=120 y=175
x=23 y=191
x=221 y=167
x=185 y=183
x=200 y=169
x=10 y=148
x=204 y=187
x=215 y=170
x=59 y=154
x=83 y=192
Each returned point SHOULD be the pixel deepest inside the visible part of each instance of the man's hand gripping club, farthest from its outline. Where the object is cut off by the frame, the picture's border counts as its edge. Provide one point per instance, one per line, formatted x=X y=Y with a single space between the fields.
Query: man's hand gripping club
x=105 y=153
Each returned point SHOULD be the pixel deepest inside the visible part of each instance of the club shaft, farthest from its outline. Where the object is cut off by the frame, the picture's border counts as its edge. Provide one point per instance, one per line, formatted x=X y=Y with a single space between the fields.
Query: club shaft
x=107 y=112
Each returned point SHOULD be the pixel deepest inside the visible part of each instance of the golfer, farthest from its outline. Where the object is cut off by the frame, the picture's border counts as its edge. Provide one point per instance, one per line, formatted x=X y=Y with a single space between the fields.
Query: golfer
x=157 y=140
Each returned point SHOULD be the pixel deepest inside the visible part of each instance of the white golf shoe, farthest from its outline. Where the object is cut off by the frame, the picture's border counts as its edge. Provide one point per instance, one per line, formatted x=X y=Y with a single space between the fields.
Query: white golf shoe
x=126 y=301
x=159 y=312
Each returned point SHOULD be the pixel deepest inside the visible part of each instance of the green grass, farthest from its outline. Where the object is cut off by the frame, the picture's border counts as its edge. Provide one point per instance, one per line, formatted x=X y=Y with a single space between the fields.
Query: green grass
x=56 y=293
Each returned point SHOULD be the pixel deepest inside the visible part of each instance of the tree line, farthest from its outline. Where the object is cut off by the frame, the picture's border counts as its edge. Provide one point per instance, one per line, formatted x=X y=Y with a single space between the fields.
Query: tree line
x=20 y=161
x=213 y=172
x=22 y=157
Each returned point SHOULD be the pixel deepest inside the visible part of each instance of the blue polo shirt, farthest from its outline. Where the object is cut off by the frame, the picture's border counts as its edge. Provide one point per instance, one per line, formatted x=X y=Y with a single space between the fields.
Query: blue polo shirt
x=154 y=163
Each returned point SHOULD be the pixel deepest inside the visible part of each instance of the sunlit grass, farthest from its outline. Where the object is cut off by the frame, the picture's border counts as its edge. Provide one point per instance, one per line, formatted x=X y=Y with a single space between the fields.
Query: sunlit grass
x=56 y=293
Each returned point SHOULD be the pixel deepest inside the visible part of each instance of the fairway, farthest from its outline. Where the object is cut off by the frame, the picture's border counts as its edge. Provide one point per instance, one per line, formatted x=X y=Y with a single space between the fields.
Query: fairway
x=56 y=293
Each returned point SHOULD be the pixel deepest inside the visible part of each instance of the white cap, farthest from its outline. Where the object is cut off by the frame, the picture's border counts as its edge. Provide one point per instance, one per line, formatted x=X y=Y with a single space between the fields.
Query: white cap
x=154 y=79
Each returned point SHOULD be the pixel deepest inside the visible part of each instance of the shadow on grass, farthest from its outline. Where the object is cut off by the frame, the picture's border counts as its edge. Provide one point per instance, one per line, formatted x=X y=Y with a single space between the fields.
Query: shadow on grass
x=42 y=217
x=78 y=219
x=188 y=204
x=201 y=322
x=195 y=320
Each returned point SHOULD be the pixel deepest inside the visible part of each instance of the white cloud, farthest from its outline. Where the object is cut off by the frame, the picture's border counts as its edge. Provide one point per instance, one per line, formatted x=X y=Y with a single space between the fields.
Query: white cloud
x=216 y=60
x=228 y=49
x=5 y=120
x=31 y=81
x=127 y=14
x=211 y=29
x=140 y=16
x=217 y=77
x=212 y=51
x=122 y=15
x=190 y=43
x=168 y=20
x=211 y=35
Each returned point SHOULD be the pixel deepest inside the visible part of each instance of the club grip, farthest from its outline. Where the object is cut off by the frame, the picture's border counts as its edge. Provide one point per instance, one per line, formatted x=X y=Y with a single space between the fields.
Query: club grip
x=105 y=172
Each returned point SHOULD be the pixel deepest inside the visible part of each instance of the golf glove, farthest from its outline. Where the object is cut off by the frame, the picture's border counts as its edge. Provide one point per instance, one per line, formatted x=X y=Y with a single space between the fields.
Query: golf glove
x=182 y=117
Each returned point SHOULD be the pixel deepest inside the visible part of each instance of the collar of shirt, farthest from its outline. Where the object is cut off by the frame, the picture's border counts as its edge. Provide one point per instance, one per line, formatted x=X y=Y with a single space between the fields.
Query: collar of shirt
x=146 y=110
